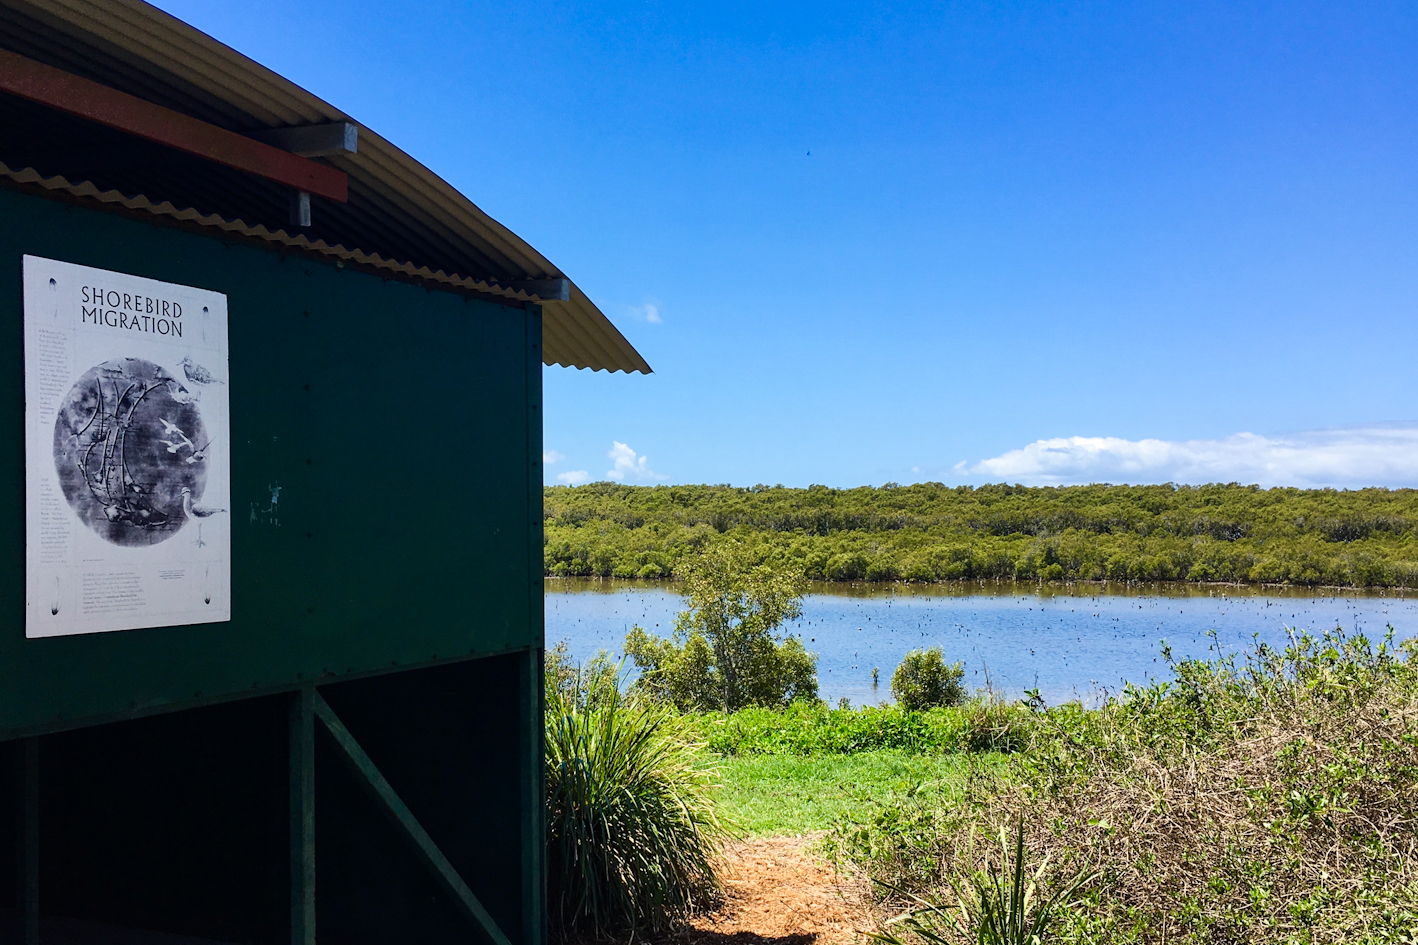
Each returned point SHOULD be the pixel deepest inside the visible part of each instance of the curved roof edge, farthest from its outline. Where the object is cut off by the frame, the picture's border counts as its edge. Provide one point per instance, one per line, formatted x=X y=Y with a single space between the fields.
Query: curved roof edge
x=133 y=45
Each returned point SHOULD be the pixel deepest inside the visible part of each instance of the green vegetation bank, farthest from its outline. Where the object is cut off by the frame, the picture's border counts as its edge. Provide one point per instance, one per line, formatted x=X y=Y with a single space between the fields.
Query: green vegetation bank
x=1267 y=797
x=932 y=532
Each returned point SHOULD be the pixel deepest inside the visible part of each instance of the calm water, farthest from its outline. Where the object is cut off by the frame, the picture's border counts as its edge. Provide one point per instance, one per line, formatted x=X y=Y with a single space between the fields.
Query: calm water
x=1070 y=643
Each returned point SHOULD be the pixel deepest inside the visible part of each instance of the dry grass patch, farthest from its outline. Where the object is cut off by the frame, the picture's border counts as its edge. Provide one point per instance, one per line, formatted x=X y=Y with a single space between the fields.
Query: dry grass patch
x=1270 y=800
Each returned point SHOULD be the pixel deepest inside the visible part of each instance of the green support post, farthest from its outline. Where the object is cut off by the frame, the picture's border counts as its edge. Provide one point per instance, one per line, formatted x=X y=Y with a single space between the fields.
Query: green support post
x=533 y=777
x=532 y=699
x=29 y=841
x=302 y=816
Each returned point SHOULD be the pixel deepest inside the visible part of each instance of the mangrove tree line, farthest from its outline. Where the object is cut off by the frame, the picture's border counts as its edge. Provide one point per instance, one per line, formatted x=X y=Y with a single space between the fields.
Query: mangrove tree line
x=933 y=532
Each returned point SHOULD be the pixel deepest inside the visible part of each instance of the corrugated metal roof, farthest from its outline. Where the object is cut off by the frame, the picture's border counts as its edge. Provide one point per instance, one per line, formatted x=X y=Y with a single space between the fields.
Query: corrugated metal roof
x=401 y=217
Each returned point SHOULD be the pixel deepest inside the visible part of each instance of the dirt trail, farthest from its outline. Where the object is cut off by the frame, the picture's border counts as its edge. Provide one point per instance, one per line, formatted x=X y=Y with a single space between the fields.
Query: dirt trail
x=780 y=893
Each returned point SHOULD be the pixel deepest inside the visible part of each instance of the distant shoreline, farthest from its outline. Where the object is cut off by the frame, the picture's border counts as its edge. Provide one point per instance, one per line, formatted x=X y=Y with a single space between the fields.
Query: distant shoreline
x=1001 y=587
x=1216 y=536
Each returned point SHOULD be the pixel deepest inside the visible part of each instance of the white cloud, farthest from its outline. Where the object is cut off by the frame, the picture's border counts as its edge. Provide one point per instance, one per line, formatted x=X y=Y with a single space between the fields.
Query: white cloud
x=1362 y=456
x=551 y=457
x=650 y=312
x=628 y=464
x=574 y=477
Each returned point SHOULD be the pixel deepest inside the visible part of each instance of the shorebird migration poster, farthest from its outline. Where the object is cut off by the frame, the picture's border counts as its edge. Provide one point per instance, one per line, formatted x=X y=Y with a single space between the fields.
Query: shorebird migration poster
x=127 y=452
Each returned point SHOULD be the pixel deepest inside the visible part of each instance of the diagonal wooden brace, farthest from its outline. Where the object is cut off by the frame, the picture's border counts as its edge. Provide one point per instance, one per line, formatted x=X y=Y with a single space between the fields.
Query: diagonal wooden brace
x=404 y=819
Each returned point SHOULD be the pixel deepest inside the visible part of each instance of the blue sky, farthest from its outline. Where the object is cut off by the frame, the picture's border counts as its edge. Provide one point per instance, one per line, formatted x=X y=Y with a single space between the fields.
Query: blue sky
x=1030 y=242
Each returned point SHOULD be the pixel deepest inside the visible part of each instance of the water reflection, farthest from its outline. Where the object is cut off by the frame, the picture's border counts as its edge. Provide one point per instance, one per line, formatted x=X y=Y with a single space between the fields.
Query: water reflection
x=1071 y=642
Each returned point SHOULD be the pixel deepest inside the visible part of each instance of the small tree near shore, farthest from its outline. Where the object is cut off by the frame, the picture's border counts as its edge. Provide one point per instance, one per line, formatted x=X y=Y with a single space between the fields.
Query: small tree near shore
x=924 y=680
x=724 y=653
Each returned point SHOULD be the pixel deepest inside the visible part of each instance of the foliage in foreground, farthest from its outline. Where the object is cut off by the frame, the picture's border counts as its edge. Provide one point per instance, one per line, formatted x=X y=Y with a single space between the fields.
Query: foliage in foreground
x=1271 y=799
x=932 y=532
x=1000 y=905
x=632 y=832
x=803 y=728
x=724 y=653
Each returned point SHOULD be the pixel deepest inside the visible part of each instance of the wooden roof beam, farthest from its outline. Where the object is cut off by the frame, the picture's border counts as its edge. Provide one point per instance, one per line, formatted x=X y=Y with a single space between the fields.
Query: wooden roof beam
x=323 y=140
x=548 y=290
x=107 y=106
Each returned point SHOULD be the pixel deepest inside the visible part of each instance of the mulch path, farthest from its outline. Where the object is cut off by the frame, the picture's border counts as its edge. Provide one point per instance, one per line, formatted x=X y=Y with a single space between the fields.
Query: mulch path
x=778 y=892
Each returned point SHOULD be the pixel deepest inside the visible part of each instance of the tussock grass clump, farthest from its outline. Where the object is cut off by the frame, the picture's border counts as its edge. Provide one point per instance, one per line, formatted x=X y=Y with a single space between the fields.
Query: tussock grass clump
x=1270 y=799
x=993 y=723
x=999 y=906
x=633 y=835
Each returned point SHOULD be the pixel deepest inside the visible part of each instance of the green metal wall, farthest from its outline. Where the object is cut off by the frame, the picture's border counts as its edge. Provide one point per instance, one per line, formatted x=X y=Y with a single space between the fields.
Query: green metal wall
x=176 y=782
x=403 y=427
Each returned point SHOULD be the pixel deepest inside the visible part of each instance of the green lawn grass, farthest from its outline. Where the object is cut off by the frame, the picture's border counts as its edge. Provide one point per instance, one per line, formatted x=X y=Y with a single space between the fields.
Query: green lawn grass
x=777 y=795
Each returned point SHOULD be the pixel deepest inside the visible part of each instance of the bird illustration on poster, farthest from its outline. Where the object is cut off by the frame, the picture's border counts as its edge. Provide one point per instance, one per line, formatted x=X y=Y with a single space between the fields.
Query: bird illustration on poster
x=196 y=513
x=197 y=374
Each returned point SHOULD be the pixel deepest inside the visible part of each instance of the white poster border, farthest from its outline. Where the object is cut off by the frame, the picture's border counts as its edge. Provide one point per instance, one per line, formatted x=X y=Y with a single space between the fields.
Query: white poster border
x=127 y=452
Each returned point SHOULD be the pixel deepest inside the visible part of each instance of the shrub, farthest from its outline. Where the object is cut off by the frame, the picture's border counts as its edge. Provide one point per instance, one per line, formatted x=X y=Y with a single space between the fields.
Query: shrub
x=580 y=684
x=923 y=681
x=632 y=833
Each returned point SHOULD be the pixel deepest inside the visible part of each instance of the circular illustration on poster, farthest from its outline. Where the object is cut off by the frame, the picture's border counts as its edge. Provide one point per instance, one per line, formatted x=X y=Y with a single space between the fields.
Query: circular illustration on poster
x=131 y=451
